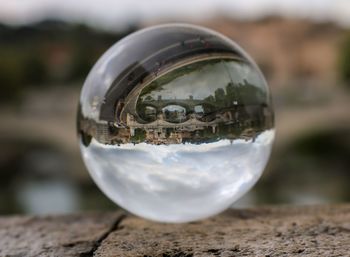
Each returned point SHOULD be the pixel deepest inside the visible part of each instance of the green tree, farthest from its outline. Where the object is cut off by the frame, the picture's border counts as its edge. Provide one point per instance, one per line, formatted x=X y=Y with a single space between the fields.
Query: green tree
x=10 y=77
x=344 y=62
x=34 y=69
x=250 y=94
x=231 y=92
x=220 y=97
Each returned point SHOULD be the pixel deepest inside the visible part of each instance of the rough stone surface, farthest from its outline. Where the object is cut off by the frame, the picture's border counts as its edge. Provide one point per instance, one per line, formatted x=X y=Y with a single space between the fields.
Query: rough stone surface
x=69 y=235
x=268 y=231
x=281 y=231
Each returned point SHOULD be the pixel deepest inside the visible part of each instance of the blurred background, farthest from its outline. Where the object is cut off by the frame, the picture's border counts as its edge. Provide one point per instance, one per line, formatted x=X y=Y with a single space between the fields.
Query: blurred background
x=48 y=47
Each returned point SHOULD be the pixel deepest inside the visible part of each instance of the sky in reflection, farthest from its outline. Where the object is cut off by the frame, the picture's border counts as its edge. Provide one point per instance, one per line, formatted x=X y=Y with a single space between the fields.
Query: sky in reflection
x=180 y=182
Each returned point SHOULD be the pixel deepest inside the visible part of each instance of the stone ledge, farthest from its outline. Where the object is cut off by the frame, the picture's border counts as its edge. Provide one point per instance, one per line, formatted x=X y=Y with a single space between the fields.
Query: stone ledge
x=267 y=231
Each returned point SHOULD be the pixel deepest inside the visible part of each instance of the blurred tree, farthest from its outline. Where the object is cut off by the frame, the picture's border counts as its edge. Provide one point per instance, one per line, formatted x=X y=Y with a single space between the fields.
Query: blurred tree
x=49 y=52
x=83 y=60
x=10 y=76
x=34 y=70
x=344 y=64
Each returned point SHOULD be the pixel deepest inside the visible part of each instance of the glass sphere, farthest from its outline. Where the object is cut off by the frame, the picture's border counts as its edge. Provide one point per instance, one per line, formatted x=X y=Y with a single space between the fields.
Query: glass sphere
x=175 y=123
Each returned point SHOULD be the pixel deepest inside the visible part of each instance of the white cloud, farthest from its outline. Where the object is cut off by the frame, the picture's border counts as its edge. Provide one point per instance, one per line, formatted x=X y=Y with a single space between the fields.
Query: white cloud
x=161 y=181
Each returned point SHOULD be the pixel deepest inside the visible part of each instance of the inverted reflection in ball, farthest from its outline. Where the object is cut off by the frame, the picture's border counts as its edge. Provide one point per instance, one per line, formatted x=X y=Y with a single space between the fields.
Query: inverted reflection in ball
x=175 y=123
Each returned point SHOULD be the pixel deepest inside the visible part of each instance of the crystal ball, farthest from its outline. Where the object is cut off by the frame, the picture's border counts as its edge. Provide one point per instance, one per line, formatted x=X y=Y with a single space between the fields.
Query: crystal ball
x=175 y=123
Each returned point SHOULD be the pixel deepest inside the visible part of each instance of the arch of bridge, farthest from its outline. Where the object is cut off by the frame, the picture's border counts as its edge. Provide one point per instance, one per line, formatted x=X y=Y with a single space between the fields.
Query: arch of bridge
x=187 y=104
